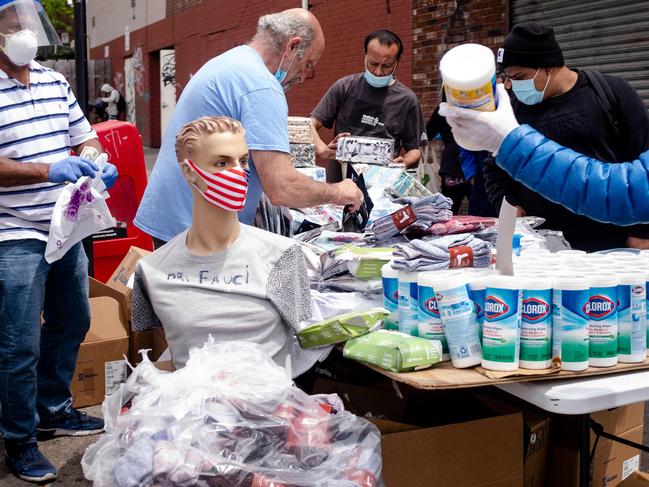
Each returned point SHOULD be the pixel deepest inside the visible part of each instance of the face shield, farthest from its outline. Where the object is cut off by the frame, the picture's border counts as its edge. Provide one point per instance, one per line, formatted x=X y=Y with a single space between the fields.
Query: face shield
x=21 y=15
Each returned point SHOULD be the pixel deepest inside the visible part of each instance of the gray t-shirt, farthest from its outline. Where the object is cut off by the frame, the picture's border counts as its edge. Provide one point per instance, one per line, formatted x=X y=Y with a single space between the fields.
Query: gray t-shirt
x=257 y=291
x=352 y=105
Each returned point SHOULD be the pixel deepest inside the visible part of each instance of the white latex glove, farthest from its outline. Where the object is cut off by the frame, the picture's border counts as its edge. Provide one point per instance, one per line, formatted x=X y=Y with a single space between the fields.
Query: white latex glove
x=475 y=130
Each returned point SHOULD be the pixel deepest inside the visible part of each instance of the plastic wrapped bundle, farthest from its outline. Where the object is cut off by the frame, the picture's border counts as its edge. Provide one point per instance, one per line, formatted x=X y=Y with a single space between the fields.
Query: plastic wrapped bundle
x=406 y=185
x=274 y=219
x=369 y=150
x=299 y=130
x=303 y=155
x=424 y=211
x=230 y=417
x=451 y=251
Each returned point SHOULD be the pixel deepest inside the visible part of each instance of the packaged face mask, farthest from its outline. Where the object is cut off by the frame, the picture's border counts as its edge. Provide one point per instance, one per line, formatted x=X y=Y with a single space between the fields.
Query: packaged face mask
x=394 y=351
x=342 y=327
x=80 y=211
x=362 y=262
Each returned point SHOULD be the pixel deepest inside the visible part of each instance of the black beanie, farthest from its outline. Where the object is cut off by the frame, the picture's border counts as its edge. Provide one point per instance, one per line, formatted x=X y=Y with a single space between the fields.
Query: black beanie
x=532 y=45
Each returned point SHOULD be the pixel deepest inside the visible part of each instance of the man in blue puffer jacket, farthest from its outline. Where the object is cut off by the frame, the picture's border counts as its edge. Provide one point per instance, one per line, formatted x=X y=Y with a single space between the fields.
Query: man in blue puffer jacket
x=611 y=193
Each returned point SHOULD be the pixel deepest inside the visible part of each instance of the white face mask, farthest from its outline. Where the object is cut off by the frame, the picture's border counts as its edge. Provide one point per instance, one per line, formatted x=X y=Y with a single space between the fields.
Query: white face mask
x=21 y=47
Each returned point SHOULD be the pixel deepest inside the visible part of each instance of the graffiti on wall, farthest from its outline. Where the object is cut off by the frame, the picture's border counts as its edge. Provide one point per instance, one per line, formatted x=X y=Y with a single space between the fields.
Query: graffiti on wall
x=129 y=90
x=168 y=70
x=138 y=71
x=118 y=81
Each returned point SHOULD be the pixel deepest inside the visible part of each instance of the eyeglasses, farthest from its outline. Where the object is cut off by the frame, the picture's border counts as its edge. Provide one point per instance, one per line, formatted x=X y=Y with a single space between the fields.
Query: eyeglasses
x=508 y=79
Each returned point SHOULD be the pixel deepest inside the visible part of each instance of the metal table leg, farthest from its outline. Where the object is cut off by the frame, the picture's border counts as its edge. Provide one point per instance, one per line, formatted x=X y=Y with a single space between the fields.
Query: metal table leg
x=584 y=451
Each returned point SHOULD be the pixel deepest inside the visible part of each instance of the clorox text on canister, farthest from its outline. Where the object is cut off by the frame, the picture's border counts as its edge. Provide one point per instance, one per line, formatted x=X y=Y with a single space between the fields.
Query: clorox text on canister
x=536 y=324
x=502 y=323
x=602 y=321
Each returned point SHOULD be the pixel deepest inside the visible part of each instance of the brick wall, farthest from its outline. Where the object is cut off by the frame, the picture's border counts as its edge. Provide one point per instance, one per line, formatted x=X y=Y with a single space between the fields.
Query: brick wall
x=199 y=30
x=175 y=6
x=439 y=25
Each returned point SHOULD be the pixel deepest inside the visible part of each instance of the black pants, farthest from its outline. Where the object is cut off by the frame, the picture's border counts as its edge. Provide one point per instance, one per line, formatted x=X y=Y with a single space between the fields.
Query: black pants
x=457 y=192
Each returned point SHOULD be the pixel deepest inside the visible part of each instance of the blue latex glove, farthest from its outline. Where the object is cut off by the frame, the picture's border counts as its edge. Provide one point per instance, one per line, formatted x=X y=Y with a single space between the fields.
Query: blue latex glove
x=109 y=175
x=70 y=169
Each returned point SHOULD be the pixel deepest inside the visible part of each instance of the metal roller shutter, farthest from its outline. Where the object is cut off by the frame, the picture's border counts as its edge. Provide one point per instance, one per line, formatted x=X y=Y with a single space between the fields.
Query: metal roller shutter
x=611 y=36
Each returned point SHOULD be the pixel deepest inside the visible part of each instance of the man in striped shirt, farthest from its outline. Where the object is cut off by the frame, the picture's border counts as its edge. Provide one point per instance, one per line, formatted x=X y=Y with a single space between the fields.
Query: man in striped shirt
x=40 y=123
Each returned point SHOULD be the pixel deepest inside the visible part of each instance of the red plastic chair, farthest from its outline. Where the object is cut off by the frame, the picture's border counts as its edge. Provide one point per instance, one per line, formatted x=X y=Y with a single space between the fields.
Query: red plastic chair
x=124 y=147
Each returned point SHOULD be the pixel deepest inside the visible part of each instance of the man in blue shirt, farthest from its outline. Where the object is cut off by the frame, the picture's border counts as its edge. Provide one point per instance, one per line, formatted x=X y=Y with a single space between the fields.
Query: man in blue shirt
x=246 y=83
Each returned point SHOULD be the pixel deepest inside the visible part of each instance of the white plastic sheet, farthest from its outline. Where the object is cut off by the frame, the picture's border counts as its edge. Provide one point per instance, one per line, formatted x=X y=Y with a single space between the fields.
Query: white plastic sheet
x=230 y=417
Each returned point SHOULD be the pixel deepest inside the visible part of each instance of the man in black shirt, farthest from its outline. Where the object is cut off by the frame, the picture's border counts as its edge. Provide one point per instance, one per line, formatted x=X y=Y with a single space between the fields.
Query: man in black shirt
x=460 y=170
x=372 y=104
x=564 y=105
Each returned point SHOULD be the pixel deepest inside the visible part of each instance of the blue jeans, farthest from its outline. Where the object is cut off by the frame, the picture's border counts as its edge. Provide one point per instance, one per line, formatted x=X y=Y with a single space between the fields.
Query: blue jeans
x=37 y=360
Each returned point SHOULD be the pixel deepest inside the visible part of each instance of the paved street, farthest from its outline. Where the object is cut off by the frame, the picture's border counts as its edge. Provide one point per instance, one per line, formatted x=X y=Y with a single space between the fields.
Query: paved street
x=65 y=453
x=150 y=154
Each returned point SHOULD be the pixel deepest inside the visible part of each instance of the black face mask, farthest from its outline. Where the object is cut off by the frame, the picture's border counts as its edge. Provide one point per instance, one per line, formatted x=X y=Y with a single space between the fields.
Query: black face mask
x=356 y=221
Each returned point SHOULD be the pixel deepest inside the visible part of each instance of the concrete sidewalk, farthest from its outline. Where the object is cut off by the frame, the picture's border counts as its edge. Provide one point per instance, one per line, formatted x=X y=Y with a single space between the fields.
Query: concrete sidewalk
x=150 y=155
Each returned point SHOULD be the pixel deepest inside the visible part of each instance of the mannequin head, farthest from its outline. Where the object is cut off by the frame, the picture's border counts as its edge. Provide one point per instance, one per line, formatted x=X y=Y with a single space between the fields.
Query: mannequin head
x=213 y=145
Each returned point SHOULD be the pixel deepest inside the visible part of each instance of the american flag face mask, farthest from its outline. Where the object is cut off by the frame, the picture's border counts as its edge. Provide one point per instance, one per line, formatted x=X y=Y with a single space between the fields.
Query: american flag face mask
x=225 y=189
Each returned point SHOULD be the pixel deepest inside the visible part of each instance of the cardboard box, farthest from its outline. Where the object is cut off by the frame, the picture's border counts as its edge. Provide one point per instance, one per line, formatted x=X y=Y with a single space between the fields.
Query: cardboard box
x=101 y=366
x=159 y=343
x=536 y=439
x=165 y=365
x=364 y=400
x=613 y=461
x=636 y=479
x=118 y=281
x=536 y=448
x=620 y=420
x=484 y=452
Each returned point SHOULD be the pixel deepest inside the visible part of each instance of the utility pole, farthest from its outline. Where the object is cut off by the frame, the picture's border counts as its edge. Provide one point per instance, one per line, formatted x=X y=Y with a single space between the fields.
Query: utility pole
x=81 y=54
x=81 y=71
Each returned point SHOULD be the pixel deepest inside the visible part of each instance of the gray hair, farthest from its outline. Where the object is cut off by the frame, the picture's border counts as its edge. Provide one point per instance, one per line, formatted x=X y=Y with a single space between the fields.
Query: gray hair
x=276 y=29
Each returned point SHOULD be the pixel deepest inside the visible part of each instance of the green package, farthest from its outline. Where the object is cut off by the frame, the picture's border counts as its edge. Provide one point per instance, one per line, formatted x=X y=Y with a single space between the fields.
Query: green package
x=342 y=327
x=394 y=351
x=365 y=263
x=366 y=269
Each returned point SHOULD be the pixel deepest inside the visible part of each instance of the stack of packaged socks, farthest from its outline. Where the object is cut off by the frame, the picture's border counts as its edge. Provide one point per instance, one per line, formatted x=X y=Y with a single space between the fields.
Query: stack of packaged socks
x=463 y=250
x=426 y=211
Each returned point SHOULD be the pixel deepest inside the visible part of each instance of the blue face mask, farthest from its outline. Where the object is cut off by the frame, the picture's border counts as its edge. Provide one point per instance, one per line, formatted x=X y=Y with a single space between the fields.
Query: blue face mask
x=526 y=91
x=378 y=81
x=280 y=74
